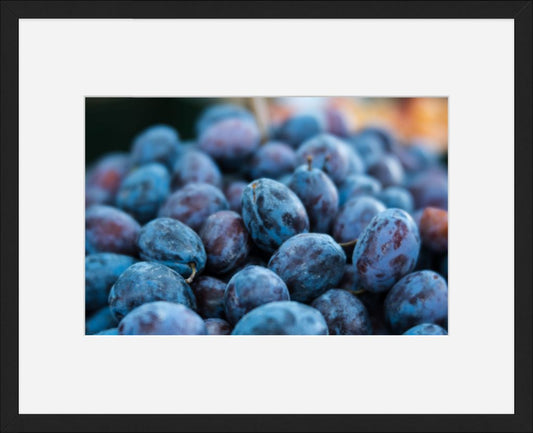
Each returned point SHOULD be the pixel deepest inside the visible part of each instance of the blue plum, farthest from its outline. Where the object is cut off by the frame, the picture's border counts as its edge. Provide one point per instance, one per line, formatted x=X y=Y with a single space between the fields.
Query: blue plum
x=193 y=203
x=356 y=185
x=218 y=112
x=430 y=188
x=162 y=318
x=101 y=272
x=369 y=146
x=272 y=213
x=298 y=128
x=386 y=250
x=282 y=318
x=110 y=331
x=420 y=297
x=145 y=282
x=230 y=141
x=104 y=176
x=108 y=229
x=195 y=166
x=381 y=133
x=233 y=193
x=310 y=264
x=330 y=154
x=99 y=321
x=143 y=191
x=217 y=327
x=344 y=313
x=318 y=194
x=397 y=197
x=273 y=159
x=337 y=123
x=158 y=143
x=388 y=170
x=426 y=329
x=173 y=244
x=251 y=287
x=354 y=216
x=209 y=293
x=226 y=241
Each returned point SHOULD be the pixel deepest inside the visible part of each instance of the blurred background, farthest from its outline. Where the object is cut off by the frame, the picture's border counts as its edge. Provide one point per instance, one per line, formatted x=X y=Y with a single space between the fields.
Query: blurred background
x=112 y=123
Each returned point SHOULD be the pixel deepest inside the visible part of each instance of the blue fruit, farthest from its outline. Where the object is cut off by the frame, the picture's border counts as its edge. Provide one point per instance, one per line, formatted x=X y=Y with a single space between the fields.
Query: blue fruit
x=397 y=197
x=310 y=264
x=209 y=293
x=251 y=287
x=146 y=282
x=344 y=313
x=193 y=203
x=226 y=241
x=162 y=318
x=108 y=229
x=173 y=244
x=420 y=297
x=143 y=191
x=384 y=135
x=330 y=154
x=110 y=331
x=337 y=123
x=369 y=146
x=273 y=159
x=233 y=194
x=99 y=321
x=356 y=185
x=216 y=113
x=429 y=188
x=217 y=327
x=347 y=281
x=101 y=272
x=296 y=129
x=426 y=329
x=318 y=194
x=386 y=250
x=272 y=213
x=388 y=170
x=195 y=166
x=230 y=141
x=354 y=217
x=282 y=318
x=158 y=143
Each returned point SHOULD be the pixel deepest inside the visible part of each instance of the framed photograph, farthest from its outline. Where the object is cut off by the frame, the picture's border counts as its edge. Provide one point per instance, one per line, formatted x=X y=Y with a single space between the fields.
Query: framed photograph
x=266 y=216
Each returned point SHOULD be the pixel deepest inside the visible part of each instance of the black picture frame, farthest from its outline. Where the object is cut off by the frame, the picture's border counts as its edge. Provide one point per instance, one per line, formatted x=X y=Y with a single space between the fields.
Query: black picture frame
x=12 y=11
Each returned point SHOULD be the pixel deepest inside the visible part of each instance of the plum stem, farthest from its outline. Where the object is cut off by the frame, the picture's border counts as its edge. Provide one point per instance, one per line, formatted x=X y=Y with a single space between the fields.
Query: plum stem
x=309 y=162
x=254 y=186
x=358 y=291
x=326 y=160
x=348 y=244
x=193 y=273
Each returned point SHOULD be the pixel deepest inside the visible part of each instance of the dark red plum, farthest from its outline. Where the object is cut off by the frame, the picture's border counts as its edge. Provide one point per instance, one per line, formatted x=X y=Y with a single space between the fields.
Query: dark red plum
x=101 y=320
x=354 y=216
x=195 y=166
x=216 y=113
x=230 y=141
x=426 y=329
x=282 y=318
x=386 y=250
x=101 y=272
x=143 y=191
x=209 y=293
x=310 y=264
x=145 y=282
x=429 y=188
x=434 y=229
x=344 y=313
x=108 y=229
x=173 y=244
x=298 y=128
x=273 y=159
x=217 y=327
x=318 y=194
x=328 y=153
x=233 y=194
x=357 y=185
x=193 y=203
x=388 y=171
x=158 y=143
x=226 y=241
x=103 y=178
x=250 y=288
x=272 y=213
x=420 y=297
x=162 y=318
x=397 y=197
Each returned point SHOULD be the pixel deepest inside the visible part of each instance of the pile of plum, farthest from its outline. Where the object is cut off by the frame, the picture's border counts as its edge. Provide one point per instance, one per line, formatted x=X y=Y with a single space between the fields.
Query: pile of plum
x=307 y=228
